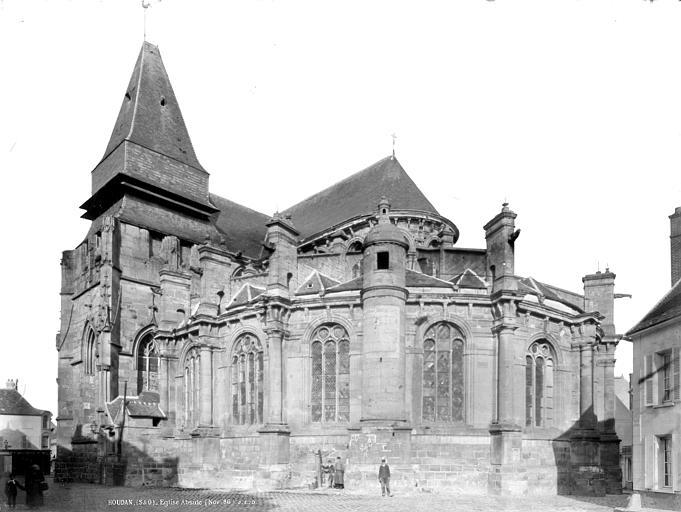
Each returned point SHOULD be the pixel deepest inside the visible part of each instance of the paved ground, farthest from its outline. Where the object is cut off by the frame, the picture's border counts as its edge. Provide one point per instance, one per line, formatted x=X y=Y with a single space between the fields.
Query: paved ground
x=84 y=497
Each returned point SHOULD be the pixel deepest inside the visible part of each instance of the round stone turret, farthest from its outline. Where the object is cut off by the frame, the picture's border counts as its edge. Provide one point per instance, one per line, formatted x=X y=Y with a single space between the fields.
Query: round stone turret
x=384 y=296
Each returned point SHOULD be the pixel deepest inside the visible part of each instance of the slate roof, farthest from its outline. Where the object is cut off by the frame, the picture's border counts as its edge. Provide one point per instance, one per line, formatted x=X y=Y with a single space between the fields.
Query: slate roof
x=417 y=279
x=150 y=115
x=469 y=279
x=357 y=195
x=246 y=294
x=143 y=406
x=12 y=403
x=353 y=284
x=244 y=229
x=316 y=283
x=531 y=285
x=668 y=307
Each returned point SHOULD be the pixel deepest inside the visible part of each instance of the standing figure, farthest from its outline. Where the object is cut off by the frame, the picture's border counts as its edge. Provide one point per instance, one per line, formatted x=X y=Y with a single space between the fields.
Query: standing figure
x=35 y=485
x=339 y=475
x=328 y=470
x=384 y=477
x=11 y=491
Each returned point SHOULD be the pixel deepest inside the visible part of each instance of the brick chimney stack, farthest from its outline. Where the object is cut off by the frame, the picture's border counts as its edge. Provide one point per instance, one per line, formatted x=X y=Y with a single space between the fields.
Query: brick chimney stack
x=12 y=384
x=675 y=243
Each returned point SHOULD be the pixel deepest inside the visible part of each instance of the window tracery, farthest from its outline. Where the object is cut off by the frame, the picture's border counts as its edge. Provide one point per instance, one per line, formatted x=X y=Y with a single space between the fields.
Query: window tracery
x=192 y=401
x=443 y=374
x=148 y=360
x=539 y=385
x=330 y=393
x=247 y=381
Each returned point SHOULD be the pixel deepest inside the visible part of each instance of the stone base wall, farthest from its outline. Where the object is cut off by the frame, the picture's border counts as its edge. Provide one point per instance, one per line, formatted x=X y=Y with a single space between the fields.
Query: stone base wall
x=419 y=462
x=81 y=464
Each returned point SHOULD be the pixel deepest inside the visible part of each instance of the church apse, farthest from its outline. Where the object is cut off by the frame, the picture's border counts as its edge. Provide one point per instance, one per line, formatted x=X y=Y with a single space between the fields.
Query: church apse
x=232 y=347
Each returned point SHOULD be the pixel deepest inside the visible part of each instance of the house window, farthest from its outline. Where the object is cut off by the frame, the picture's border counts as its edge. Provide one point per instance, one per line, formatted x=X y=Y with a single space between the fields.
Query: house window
x=443 y=379
x=666 y=376
x=665 y=447
x=147 y=365
x=383 y=260
x=45 y=425
x=45 y=442
x=539 y=385
x=661 y=377
x=192 y=402
x=330 y=393
x=247 y=381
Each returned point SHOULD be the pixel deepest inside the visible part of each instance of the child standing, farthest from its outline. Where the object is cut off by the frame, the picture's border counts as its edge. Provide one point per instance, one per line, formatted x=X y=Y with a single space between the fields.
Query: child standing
x=11 y=491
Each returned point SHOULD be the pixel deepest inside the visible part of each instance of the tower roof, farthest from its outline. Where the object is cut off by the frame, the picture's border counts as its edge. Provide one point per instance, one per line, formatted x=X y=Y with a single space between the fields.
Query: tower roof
x=357 y=195
x=150 y=115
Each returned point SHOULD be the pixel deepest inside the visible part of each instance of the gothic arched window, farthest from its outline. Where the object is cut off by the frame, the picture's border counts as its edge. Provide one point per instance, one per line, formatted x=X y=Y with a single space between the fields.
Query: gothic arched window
x=330 y=393
x=443 y=382
x=147 y=364
x=89 y=352
x=539 y=385
x=192 y=401
x=247 y=381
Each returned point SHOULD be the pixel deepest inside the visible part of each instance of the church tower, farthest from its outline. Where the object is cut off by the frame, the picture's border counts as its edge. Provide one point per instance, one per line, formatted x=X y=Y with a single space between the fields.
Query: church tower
x=150 y=151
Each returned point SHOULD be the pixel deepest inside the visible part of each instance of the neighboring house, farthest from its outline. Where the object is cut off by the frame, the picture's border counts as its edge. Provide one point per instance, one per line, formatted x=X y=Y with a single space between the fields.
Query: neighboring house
x=24 y=430
x=624 y=428
x=206 y=344
x=657 y=385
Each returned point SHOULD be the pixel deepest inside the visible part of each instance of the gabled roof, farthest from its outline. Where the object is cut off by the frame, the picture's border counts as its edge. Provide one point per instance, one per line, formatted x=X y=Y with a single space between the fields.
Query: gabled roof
x=246 y=294
x=316 y=283
x=244 y=229
x=146 y=405
x=347 y=286
x=12 y=403
x=150 y=115
x=668 y=307
x=358 y=195
x=531 y=285
x=469 y=279
x=418 y=280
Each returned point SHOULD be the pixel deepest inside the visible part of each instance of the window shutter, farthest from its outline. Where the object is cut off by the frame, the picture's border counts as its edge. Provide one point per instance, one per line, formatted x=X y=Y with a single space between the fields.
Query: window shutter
x=649 y=461
x=648 y=379
x=676 y=372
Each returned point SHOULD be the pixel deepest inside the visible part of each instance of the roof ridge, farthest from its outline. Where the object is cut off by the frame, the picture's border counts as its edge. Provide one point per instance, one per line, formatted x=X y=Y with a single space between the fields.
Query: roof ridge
x=347 y=178
x=137 y=95
x=659 y=303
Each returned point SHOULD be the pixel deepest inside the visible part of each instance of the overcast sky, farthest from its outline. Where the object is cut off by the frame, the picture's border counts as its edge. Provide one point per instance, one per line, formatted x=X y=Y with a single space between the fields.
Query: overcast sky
x=568 y=110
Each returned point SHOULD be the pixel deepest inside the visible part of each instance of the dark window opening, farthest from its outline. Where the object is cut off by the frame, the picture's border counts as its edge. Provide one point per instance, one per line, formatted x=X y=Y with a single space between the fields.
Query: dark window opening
x=383 y=260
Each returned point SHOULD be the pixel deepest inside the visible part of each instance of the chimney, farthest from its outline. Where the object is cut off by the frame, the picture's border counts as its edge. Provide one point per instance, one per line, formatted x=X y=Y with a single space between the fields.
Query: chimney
x=599 y=295
x=12 y=384
x=675 y=243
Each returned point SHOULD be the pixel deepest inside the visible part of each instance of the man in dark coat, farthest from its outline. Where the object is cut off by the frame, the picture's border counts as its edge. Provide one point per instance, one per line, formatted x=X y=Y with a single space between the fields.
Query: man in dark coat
x=339 y=475
x=34 y=483
x=384 y=477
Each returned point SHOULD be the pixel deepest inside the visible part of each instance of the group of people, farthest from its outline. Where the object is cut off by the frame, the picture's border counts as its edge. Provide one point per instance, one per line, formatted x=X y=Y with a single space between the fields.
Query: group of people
x=34 y=485
x=335 y=475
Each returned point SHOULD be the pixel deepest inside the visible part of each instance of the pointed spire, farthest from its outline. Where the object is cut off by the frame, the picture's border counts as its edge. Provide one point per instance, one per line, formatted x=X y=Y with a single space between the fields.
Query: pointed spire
x=150 y=115
x=150 y=149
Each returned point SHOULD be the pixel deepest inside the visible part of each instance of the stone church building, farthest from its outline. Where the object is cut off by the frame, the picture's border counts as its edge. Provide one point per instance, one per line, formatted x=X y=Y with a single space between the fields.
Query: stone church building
x=206 y=344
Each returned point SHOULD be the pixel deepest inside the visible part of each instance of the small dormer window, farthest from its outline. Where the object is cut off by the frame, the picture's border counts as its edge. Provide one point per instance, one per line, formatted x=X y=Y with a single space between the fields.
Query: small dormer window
x=383 y=260
x=385 y=211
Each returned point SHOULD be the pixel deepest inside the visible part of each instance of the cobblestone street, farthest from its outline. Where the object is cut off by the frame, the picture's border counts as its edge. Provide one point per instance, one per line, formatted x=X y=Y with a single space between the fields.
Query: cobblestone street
x=86 y=497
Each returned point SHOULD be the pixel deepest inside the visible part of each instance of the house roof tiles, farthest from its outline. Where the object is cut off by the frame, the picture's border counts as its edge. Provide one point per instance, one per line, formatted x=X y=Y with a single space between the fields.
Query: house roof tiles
x=12 y=403
x=667 y=308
